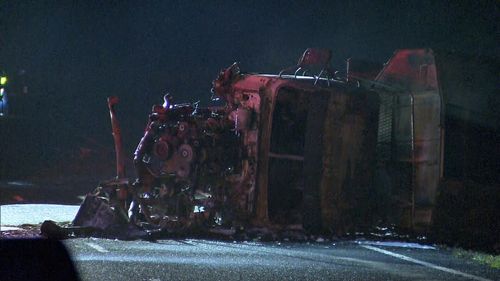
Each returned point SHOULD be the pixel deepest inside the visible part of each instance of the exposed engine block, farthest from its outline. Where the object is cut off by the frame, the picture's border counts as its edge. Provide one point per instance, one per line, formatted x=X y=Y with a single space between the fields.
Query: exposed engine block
x=191 y=162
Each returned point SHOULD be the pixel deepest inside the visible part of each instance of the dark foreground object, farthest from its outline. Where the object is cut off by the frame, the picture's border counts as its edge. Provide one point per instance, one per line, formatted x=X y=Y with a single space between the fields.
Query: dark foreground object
x=35 y=259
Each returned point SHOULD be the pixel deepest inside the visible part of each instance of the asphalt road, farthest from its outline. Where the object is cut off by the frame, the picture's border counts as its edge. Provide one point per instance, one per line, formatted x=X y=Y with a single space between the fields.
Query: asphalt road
x=188 y=259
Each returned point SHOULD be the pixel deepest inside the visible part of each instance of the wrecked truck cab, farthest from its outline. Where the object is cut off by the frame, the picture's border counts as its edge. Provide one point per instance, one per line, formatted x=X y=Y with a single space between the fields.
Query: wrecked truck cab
x=299 y=148
x=287 y=149
x=312 y=140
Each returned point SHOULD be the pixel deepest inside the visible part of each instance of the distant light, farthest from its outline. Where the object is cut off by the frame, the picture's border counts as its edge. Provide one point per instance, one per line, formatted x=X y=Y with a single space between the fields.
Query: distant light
x=199 y=209
x=20 y=183
x=3 y=80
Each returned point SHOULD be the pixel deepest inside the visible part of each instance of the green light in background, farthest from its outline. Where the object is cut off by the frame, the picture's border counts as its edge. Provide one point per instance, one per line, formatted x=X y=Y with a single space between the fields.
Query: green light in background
x=3 y=80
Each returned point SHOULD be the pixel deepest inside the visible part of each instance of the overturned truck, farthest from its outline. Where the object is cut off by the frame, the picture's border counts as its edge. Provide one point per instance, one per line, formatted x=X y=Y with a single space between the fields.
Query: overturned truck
x=311 y=148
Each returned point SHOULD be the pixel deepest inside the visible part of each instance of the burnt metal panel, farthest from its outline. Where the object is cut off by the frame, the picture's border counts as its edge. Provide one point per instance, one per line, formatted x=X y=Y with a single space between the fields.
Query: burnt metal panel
x=349 y=139
x=266 y=107
x=313 y=160
x=427 y=146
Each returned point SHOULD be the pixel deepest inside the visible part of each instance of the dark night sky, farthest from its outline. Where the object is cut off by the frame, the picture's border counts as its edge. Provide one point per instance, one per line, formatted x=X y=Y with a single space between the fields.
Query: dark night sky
x=76 y=53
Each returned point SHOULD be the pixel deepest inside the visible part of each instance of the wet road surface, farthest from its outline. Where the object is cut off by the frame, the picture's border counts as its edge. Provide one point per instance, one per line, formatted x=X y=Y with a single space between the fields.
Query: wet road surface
x=191 y=259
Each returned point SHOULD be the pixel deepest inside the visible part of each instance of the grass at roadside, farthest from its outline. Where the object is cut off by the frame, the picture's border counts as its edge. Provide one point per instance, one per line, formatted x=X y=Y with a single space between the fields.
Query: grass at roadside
x=490 y=260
